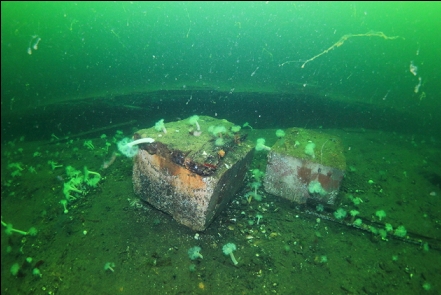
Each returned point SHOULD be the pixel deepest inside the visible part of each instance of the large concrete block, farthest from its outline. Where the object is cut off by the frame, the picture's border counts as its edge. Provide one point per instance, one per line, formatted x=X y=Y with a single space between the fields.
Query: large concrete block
x=305 y=165
x=190 y=177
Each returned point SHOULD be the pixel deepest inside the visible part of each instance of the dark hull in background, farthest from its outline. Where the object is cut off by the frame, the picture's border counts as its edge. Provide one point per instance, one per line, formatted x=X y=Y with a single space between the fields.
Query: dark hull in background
x=261 y=110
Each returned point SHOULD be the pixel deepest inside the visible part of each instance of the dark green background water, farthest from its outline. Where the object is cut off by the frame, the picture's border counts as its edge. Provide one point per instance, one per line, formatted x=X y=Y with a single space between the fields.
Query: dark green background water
x=96 y=49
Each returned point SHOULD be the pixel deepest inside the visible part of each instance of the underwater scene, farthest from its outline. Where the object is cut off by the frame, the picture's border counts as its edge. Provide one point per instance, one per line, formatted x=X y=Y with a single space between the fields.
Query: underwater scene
x=220 y=148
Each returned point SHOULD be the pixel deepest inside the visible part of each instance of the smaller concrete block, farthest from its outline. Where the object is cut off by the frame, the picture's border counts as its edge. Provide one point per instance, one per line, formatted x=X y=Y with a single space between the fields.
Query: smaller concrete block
x=305 y=165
